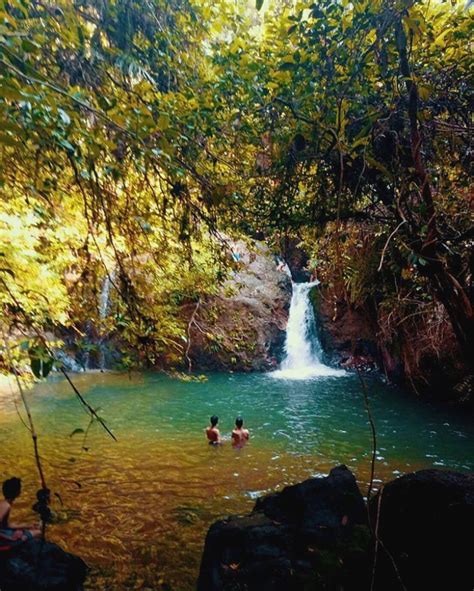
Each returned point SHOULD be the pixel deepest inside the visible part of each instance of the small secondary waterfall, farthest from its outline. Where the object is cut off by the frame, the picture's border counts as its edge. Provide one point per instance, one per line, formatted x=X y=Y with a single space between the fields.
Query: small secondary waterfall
x=104 y=305
x=302 y=348
x=104 y=300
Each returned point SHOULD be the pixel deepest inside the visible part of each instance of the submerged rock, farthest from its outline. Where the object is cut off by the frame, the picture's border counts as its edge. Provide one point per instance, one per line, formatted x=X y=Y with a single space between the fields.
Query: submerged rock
x=41 y=566
x=426 y=521
x=303 y=537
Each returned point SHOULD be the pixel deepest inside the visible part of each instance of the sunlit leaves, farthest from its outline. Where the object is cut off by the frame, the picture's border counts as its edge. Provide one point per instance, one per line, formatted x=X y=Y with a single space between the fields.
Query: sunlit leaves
x=109 y=108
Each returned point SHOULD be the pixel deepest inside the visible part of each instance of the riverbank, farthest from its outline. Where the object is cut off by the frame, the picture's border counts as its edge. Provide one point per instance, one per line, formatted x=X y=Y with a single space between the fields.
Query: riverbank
x=8 y=386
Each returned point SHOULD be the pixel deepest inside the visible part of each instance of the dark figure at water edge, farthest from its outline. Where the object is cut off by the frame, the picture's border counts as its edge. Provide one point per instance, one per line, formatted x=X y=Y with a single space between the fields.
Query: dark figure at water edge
x=13 y=535
x=240 y=436
x=212 y=432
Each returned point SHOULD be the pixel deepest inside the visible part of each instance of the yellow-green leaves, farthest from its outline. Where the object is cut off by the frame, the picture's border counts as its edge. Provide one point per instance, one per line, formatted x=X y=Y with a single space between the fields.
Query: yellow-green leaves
x=163 y=121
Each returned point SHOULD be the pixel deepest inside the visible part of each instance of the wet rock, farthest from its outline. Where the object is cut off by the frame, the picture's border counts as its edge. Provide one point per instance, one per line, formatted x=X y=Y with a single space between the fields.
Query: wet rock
x=348 y=336
x=41 y=566
x=359 y=362
x=314 y=535
x=67 y=360
x=317 y=506
x=426 y=522
x=311 y=535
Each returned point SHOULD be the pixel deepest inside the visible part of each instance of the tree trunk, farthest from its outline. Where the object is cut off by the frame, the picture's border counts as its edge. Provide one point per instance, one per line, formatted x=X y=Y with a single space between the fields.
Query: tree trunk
x=446 y=287
x=458 y=306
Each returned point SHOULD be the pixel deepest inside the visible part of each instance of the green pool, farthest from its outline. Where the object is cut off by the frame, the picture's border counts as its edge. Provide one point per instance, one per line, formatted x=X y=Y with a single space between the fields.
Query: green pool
x=137 y=510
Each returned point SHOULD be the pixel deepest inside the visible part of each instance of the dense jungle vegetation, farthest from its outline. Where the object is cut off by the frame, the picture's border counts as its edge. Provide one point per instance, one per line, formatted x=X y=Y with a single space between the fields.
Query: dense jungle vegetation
x=138 y=135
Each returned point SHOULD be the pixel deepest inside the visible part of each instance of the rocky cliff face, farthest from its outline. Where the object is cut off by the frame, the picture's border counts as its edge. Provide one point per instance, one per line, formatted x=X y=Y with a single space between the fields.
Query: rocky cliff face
x=348 y=336
x=354 y=338
x=243 y=327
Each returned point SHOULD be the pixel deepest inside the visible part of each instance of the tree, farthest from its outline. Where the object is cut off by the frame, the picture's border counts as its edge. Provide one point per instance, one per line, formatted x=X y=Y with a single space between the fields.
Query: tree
x=99 y=173
x=371 y=121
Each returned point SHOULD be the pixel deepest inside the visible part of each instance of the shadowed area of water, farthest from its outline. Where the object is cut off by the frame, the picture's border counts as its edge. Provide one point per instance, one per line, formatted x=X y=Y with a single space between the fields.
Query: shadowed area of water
x=137 y=510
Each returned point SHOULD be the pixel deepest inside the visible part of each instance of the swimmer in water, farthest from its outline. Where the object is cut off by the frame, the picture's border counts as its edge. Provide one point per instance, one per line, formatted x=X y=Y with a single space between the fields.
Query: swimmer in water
x=212 y=432
x=240 y=436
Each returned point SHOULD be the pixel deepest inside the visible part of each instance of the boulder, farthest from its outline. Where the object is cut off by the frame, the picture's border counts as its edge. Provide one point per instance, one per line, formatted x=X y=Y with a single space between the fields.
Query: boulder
x=243 y=327
x=41 y=566
x=310 y=535
x=315 y=535
x=426 y=521
x=322 y=509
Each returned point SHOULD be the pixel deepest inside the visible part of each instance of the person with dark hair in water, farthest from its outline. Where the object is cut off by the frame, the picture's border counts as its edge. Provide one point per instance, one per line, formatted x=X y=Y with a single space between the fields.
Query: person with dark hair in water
x=212 y=432
x=13 y=535
x=240 y=436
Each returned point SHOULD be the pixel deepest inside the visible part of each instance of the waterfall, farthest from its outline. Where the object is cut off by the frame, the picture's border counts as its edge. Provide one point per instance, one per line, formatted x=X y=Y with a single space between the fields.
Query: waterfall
x=104 y=300
x=302 y=348
x=104 y=305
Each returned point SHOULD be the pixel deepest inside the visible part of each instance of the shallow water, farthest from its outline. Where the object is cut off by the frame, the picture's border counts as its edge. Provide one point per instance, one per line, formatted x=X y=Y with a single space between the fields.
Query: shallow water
x=137 y=510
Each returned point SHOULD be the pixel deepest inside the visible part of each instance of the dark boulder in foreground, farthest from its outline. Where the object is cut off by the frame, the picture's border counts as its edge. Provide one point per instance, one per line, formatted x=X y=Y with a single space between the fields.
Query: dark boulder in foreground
x=41 y=566
x=308 y=534
x=426 y=522
x=314 y=536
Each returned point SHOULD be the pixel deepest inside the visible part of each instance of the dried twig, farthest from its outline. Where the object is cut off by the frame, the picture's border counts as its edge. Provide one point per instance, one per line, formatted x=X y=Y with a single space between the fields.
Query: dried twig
x=88 y=407
x=377 y=540
x=375 y=528
x=387 y=243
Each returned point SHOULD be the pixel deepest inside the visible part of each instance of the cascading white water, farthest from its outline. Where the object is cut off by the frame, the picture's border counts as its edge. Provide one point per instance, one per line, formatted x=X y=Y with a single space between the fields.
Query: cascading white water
x=104 y=304
x=298 y=346
x=302 y=349
x=105 y=296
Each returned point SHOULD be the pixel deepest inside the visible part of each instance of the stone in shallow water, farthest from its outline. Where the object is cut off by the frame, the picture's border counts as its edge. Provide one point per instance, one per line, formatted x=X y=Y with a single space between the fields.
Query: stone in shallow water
x=41 y=566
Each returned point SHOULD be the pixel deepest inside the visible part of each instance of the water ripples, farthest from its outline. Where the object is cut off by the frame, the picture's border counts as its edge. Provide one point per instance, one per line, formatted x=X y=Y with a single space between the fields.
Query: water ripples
x=147 y=500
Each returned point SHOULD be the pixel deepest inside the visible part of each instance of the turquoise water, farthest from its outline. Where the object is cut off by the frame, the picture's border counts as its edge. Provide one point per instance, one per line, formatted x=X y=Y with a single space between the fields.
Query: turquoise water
x=138 y=509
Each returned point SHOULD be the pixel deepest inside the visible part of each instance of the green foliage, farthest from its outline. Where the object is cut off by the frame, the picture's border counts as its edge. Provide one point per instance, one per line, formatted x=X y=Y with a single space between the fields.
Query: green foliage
x=134 y=132
x=95 y=176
